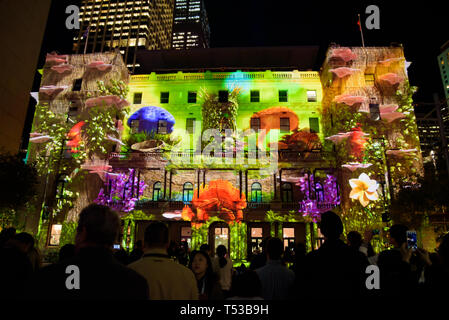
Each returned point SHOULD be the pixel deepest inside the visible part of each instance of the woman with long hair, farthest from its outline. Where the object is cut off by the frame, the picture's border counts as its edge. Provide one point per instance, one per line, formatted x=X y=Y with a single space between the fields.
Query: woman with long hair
x=222 y=266
x=207 y=280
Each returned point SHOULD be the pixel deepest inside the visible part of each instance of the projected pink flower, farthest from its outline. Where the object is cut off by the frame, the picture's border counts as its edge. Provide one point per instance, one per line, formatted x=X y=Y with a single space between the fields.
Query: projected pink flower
x=391 y=78
x=363 y=189
x=99 y=65
x=343 y=71
x=344 y=54
x=61 y=68
x=107 y=100
x=349 y=100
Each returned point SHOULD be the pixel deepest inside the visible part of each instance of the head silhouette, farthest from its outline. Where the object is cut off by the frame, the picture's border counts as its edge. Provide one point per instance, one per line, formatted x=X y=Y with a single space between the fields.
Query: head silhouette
x=331 y=226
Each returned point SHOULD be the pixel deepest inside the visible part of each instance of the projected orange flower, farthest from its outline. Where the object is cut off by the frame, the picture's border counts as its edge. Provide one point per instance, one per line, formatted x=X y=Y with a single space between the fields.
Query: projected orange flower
x=219 y=197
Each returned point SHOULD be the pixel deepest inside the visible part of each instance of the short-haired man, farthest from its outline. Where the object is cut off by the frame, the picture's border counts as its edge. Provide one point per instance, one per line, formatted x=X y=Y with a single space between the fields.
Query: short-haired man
x=276 y=279
x=100 y=275
x=167 y=280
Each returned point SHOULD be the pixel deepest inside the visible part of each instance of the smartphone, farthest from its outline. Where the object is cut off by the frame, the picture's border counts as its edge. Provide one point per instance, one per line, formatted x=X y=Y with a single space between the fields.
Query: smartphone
x=412 y=241
x=116 y=247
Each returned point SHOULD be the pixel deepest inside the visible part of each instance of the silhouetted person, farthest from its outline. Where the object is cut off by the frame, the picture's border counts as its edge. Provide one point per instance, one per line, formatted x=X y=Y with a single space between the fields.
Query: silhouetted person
x=396 y=275
x=5 y=235
x=167 y=280
x=276 y=279
x=354 y=240
x=298 y=267
x=121 y=256
x=101 y=276
x=66 y=252
x=338 y=270
x=246 y=286
x=437 y=272
x=222 y=266
x=207 y=281
x=15 y=266
x=260 y=259
x=206 y=248
x=137 y=252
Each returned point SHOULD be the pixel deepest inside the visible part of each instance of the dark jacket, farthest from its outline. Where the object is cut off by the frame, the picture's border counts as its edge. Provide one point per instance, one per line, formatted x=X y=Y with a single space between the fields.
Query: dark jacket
x=101 y=277
x=335 y=270
x=15 y=273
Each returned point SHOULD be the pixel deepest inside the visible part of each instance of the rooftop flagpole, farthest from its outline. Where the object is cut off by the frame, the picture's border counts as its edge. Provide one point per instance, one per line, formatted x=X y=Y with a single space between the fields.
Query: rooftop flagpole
x=361 y=31
x=86 y=35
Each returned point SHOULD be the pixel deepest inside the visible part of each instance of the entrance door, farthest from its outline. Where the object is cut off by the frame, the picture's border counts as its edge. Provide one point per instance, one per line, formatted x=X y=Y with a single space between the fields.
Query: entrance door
x=219 y=235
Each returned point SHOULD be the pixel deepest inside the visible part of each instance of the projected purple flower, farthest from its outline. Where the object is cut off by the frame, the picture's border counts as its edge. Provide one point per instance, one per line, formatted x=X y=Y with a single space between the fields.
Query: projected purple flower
x=121 y=191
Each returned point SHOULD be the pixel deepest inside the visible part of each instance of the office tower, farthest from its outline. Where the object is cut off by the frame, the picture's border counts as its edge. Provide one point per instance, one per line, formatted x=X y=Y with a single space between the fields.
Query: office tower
x=126 y=24
x=190 y=25
x=22 y=35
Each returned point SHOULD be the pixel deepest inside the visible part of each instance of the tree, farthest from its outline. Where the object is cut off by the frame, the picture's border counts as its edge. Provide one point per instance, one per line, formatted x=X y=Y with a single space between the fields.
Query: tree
x=19 y=184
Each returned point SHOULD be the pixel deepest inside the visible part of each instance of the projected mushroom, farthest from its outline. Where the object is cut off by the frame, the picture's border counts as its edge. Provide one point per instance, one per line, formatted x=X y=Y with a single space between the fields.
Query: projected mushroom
x=61 y=68
x=151 y=119
x=389 y=114
x=55 y=58
x=387 y=62
x=39 y=137
x=99 y=167
x=51 y=90
x=363 y=189
x=343 y=71
x=349 y=100
x=99 y=65
x=400 y=153
x=356 y=165
x=344 y=54
x=391 y=78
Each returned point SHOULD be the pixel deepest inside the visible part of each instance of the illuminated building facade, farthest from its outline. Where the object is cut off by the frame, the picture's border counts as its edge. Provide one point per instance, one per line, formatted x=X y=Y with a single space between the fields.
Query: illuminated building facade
x=125 y=24
x=190 y=25
x=226 y=151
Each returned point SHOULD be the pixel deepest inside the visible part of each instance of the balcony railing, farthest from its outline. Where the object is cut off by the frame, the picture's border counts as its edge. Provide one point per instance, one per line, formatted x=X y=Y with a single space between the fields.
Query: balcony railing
x=258 y=205
x=150 y=204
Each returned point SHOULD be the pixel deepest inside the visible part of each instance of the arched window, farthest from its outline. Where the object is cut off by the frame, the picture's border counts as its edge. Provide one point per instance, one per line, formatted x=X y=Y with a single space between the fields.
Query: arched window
x=256 y=192
x=287 y=192
x=157 y=195
x=187 y=192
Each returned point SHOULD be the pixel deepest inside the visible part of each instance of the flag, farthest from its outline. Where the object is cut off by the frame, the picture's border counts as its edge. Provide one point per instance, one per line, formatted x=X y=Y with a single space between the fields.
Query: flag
x=86 y=32
x=359 y=24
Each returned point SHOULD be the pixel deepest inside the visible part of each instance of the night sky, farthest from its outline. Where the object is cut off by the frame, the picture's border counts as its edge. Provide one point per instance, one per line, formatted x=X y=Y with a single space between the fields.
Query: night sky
x=421 y=28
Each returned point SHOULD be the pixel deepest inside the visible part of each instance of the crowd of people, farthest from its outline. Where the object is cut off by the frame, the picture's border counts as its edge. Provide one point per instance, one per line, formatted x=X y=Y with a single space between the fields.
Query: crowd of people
x=158 y=269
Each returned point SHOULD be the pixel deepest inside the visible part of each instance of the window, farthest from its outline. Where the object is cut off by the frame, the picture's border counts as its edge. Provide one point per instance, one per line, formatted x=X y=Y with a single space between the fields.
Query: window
x=134 y=126
x=77 y=85
x=190 y=125
x=289 y=237
x=374 y=111
x=369 y=79
x=157 y=194
x=311 y=95
x=165 y=97
x=191 y=97
x=55 y=234
x=314 y=125
x=319 y=192
x=256 y=240
x=285 y=125
x=287 y=193
x=162 y=126
x=255 y=96
x=255 y=124
x=187 y=192
x=186 y=235
x=137 y=98
x=283 y=96
x=223 y=96
x=256 y=192
x=71 y=115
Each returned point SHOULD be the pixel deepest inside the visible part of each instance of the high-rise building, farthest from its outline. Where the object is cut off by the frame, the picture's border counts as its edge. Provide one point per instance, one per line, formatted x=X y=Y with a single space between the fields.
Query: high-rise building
x=126 y=24
x=443 y=60
x=23 y=24
x=190 y=25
